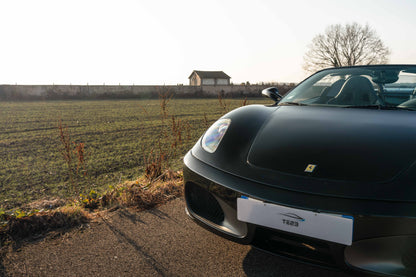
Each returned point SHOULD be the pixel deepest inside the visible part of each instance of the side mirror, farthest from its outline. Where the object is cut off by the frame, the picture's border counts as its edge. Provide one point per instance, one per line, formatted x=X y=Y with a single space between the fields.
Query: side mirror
x=272 y=93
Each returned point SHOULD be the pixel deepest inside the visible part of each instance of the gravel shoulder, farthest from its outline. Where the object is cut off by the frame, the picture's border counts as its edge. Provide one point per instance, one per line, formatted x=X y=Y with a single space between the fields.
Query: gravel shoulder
x=157 y=242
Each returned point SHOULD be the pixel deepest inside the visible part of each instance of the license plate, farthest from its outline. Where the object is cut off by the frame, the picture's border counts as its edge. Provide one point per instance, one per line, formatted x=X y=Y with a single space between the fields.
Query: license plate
x=329 y=227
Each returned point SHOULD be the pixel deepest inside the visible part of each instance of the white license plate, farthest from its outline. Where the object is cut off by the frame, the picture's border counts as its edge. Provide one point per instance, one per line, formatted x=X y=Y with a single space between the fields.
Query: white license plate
x=329 y=227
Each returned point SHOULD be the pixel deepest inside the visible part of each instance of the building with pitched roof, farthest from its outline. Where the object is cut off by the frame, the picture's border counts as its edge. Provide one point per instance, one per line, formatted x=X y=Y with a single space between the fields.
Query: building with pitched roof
x=199 y=78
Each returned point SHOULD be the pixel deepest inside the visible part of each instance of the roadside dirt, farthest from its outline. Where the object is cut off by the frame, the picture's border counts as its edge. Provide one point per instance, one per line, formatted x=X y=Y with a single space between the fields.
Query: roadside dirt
x=157 y=242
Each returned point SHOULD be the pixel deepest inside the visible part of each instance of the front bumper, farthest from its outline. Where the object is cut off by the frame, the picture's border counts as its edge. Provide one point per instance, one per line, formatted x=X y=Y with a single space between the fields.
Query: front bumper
x=384 y=236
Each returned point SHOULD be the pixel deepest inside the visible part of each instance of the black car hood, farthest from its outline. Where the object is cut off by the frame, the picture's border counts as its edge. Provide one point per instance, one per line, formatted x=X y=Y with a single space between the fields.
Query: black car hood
x=344 y=144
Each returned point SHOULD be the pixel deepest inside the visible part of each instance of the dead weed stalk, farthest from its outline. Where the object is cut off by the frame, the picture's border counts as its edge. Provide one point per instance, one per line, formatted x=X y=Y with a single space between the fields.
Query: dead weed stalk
x=170 y=139
x=223 y=104
x=244 y=102
x=164 y=98
x=153 y=165
x=206 y=122
x=72 y=152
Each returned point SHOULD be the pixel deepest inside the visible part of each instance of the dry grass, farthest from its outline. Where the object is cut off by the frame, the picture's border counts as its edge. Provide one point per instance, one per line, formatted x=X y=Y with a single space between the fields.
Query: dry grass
x=55 y=214
x=145 y=194
x=45 y=204
x=18 y=228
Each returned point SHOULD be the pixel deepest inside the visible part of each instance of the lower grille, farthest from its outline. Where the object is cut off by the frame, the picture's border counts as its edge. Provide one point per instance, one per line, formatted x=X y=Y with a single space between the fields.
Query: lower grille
x=293 y=246
x=203 y=203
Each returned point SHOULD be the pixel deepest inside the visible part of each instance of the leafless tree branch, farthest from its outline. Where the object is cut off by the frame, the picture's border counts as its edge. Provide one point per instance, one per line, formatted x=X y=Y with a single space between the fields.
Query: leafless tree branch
x=347 y=45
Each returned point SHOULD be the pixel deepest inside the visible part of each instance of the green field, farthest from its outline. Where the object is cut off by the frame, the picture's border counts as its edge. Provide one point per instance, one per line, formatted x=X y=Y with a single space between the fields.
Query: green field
x=119 y=137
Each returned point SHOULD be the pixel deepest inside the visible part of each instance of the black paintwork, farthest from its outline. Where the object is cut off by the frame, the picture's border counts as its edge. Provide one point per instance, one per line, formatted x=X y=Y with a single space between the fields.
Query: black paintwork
x=359 y=153
x=354 y=145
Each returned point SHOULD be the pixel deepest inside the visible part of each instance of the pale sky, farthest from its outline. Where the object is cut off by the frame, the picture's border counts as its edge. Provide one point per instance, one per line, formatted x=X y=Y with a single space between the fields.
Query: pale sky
x=146 y=42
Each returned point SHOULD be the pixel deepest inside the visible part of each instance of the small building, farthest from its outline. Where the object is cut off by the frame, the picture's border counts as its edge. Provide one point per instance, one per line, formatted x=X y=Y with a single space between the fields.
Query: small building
x=199 y=78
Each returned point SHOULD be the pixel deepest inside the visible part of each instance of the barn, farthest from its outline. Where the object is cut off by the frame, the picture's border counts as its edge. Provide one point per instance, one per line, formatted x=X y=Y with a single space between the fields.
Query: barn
x=199 y=78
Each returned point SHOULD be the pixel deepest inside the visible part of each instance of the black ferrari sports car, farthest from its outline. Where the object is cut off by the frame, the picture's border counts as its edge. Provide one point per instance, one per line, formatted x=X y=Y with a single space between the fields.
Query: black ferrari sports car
x=325 y=175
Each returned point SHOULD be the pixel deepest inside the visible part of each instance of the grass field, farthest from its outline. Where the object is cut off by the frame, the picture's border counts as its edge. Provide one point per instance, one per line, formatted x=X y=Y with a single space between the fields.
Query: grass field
x=120 y=137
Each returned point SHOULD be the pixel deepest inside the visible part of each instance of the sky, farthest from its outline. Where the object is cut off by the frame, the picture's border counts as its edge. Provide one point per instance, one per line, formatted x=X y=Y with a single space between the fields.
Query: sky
x=155 y=42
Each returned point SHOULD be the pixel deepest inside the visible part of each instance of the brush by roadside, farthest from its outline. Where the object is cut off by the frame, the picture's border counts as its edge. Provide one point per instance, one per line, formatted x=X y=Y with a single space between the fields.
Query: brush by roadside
x=49 y=215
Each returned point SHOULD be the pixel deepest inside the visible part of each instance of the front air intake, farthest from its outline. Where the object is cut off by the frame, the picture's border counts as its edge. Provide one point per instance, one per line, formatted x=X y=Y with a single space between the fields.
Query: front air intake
x=203 y=203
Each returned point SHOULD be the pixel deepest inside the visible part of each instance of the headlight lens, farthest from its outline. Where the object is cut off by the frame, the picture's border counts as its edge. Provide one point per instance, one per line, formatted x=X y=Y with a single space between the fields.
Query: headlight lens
x=214 y=135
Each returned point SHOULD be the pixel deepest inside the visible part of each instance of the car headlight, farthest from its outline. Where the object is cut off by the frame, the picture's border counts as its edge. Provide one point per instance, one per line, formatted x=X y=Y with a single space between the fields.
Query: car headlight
x=214 y=135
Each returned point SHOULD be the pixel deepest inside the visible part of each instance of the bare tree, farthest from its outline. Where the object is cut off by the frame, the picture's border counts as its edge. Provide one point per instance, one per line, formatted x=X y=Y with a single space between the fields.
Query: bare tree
x=347 y=45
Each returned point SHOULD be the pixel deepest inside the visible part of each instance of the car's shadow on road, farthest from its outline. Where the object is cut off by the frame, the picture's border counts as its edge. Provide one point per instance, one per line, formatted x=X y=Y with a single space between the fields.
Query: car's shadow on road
x=124 y=237
x=260 y=263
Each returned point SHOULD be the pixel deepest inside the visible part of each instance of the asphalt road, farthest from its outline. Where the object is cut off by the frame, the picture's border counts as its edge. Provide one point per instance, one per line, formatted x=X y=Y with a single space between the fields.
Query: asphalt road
x=158 y=242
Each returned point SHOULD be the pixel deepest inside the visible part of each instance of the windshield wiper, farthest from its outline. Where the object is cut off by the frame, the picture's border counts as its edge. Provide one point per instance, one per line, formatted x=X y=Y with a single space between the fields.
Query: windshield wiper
x=377 y=107
x=292 y=104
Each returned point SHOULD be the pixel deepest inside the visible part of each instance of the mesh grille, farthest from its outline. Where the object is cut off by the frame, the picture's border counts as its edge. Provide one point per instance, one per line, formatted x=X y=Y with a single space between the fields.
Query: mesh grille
x=292 y=246
x=203 y=203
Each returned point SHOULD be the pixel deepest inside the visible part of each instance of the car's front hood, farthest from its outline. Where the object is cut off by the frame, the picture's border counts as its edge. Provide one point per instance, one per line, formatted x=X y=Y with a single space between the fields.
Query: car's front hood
x=343 y=144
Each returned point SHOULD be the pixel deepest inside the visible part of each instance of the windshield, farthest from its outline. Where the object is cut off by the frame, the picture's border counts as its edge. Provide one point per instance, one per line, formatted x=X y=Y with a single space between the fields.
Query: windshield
x=388 y=86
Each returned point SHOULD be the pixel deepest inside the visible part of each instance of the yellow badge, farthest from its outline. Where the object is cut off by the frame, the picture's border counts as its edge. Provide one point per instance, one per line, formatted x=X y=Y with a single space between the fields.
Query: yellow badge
x=310 y=168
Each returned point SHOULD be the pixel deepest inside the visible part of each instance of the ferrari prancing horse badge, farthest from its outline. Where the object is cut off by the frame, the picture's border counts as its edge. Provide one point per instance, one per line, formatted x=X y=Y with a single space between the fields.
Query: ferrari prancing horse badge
x=310 y=168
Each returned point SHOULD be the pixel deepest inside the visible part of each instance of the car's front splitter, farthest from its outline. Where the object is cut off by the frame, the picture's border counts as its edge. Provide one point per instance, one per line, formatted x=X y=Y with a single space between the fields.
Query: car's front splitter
x=211 y=197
